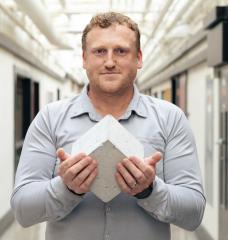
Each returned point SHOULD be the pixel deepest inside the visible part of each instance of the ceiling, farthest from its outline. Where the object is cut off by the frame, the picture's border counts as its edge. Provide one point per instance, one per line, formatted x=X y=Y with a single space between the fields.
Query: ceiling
x=165 y=25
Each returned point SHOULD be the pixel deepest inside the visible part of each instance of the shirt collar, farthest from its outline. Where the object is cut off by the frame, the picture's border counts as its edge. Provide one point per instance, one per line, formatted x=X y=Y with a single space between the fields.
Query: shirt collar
x=136 y=106
x=85 y=106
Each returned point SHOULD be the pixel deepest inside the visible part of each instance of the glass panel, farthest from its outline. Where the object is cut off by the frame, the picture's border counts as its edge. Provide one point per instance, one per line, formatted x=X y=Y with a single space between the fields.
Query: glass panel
x=209 y=177
x=224 y=142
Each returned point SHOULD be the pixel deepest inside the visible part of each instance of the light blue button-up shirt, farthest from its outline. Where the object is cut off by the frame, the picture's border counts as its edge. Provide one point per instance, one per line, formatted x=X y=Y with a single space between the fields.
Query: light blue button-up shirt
x=40 y=195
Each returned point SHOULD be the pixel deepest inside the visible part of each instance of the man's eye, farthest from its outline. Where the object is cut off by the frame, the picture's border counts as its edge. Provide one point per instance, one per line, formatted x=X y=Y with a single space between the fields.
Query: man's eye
x=120 y=51
x=100 y=51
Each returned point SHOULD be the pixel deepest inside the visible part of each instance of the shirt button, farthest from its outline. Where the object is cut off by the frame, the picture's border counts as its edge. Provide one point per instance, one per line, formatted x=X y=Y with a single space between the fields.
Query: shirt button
x=108 y=209
x=107 y=236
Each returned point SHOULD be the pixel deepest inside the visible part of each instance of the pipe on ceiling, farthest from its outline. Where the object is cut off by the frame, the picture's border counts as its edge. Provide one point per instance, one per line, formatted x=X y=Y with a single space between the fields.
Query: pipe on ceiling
x=36 y=11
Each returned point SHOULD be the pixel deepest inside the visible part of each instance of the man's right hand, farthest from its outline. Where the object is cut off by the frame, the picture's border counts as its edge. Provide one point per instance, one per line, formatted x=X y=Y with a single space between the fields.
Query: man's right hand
x=77 y=172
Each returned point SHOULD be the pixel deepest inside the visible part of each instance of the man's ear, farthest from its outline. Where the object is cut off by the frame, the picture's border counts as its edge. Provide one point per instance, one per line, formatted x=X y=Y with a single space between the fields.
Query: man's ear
x=139 y=59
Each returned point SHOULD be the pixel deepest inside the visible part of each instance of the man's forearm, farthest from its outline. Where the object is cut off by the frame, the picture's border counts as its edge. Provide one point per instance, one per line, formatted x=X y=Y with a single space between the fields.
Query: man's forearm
x=178 y=205
x=49 y=200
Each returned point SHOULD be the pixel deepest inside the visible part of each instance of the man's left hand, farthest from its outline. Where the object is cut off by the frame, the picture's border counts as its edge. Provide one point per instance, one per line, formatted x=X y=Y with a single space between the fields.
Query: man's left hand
x=134 y=175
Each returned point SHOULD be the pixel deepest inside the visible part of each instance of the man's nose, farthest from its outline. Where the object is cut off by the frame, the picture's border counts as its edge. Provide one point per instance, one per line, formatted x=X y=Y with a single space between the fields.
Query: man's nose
x=110 y=60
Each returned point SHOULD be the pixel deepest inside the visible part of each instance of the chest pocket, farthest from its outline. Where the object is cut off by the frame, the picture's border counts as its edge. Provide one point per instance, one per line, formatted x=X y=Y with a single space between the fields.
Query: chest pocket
x=152 y=145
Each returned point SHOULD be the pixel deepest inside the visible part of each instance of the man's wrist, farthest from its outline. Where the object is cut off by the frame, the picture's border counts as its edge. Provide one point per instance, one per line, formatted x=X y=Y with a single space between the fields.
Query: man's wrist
x=145 y=193
x=78 y=194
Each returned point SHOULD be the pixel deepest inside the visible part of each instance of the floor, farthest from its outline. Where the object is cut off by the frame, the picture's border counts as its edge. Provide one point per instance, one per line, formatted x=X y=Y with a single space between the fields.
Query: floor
x=15 y=232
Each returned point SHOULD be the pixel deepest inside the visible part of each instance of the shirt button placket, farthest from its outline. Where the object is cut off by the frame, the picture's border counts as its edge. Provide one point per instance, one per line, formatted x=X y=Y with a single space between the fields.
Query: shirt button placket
x=108 y=222
x=107 y=236
x=108 y=209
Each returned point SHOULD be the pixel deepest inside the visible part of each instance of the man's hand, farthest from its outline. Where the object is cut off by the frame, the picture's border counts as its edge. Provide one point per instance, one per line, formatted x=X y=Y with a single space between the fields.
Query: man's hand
x=77 y=172
x=134 y=175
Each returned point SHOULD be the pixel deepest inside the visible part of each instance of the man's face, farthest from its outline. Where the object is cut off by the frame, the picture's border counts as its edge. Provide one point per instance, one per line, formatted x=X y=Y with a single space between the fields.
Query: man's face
x=111 y=59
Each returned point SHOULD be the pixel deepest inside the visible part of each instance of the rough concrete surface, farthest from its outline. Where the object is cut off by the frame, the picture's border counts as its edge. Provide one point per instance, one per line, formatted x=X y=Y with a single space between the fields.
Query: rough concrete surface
x=108 y=142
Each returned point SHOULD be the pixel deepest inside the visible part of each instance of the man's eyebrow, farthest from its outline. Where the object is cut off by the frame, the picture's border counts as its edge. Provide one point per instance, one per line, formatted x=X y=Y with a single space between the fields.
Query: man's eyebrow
x=117 y=46
x=121 y=46
x=97 y=47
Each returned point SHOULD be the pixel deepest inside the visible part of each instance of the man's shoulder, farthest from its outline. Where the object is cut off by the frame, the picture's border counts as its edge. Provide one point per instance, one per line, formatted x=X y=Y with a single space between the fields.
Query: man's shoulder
x=63 y=103
x=166 y=113
x=159 y=104
x=60 y=107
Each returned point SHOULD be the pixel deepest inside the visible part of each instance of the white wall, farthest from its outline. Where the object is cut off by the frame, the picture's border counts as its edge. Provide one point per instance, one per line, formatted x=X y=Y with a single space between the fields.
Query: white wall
x=196 y=96
x=47 y=84
x=196 y=107
x=6 y=131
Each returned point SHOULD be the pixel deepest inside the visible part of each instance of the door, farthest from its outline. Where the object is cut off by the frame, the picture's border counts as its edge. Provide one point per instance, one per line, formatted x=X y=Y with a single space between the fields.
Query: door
x=26 y=107
x=223 y=161
x=179 y=84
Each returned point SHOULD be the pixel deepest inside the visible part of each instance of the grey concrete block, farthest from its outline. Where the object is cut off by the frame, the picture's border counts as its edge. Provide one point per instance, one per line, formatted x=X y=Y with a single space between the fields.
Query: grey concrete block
x=108 y=142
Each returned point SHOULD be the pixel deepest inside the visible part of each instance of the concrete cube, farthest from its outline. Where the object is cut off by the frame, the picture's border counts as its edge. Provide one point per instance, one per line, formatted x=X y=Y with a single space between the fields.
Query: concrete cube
x=108 y=142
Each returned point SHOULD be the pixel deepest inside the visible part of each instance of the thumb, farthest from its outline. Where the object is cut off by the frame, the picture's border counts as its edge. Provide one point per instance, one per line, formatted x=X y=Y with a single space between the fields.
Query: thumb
x=62 y=155
x=156 y=157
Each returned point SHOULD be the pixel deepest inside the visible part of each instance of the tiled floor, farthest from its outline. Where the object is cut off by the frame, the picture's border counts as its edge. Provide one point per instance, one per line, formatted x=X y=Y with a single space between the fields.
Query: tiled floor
x=15 y=232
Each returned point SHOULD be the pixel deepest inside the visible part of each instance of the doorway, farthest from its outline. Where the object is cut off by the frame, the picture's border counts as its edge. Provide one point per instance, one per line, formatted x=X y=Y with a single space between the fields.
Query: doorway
x=179 y=91
x=223 y=156
x=26 y=108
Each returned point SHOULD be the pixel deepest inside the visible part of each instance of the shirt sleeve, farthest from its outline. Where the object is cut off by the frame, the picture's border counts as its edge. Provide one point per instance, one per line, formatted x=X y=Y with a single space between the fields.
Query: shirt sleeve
x=178 y=198
x=39 y=195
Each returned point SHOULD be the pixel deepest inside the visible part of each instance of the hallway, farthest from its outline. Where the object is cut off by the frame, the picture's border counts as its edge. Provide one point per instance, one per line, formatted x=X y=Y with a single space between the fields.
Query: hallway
x=184 y=61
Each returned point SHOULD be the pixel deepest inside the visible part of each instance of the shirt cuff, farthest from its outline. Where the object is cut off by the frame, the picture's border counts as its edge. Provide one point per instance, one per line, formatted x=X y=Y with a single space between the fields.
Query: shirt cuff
x=145 y=193
x=156 y=202
x=62 y=192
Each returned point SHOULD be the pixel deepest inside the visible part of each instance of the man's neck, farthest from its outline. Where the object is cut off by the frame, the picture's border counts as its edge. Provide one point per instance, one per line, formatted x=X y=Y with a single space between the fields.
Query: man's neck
x=112 y=104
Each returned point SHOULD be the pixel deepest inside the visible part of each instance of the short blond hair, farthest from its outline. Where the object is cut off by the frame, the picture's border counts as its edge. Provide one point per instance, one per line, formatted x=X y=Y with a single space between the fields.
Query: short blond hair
x=105 y=20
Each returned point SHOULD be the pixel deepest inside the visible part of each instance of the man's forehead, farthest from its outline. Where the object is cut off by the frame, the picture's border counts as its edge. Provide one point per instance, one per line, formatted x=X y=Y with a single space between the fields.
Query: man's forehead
x=111 y=33
x=112 y=25
x=114 y=28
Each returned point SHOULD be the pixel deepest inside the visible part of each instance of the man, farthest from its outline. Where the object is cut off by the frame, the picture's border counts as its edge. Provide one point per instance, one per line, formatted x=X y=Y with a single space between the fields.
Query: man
x=155 y=192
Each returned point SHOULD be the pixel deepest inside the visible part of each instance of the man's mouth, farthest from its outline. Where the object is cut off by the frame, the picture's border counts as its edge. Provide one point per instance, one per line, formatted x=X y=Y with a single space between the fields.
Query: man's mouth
x=110 y=73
